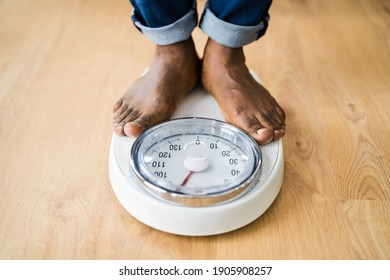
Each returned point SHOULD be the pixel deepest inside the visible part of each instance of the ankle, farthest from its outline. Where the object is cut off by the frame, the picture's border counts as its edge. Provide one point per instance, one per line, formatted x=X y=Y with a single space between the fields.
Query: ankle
x=222 y=54
x=181 y=49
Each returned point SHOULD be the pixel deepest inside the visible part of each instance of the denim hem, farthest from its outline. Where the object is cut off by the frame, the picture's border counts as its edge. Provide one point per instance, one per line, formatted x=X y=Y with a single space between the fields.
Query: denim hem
x=228 y=34
x=170 y=34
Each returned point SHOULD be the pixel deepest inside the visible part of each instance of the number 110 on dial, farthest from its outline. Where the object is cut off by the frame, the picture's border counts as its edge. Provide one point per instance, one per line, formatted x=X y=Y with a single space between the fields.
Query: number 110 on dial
x=196 y=161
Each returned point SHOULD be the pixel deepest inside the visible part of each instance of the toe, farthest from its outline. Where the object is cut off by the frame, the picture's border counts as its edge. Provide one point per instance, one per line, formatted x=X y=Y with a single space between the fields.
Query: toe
x=121 y=114
x=118 y=129
x=127 y=116
x=117 y=105
x=141 y=123
x=274 y=122
x=279 y=133
x=265 y=120
x=281 y=113
x=119 y=111
x=263 y=136
x=120 y=122
x=260 y=129
x=279 y=117
x=132 y=129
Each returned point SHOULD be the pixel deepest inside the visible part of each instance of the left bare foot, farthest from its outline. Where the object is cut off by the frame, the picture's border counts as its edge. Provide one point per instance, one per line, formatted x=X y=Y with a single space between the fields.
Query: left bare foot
x=154 y=97
x=243 y=101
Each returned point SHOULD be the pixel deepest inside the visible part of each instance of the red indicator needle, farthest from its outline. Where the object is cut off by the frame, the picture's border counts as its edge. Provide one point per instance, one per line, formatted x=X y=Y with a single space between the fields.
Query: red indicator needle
x=186 y=178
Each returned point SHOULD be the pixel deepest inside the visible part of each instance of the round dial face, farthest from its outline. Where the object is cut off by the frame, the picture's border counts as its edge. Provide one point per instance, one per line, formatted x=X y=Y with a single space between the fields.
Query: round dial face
x=195 y=161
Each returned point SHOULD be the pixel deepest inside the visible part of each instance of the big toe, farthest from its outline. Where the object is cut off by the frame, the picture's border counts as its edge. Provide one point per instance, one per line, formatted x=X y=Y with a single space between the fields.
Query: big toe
x=263 y=135
x=143 y=122
x=261 y=130
x=132 y=129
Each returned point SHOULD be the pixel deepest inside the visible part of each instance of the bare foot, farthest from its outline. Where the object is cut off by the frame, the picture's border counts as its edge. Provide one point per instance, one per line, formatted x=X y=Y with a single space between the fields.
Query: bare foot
x=153 y=98
x=243 y=101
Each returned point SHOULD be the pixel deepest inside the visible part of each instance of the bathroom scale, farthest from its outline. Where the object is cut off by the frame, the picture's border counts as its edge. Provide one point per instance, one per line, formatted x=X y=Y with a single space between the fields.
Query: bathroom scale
x=195 y=174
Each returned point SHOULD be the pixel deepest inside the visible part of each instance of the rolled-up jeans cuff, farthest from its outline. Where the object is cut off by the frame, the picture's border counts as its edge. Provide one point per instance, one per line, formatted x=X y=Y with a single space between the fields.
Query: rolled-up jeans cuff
x=228 y=34
x=173 y=33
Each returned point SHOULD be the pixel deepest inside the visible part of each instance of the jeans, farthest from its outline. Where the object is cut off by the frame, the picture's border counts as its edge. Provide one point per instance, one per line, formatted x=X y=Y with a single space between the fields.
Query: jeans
x=232 y=23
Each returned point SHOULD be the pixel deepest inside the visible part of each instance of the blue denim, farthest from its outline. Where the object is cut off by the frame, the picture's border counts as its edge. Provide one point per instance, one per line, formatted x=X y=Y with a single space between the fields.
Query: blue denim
x=232 y=23
x=240 y=12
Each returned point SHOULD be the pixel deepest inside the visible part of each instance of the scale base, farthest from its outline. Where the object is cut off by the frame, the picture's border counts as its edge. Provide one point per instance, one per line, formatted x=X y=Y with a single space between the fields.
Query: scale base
x=190 y=220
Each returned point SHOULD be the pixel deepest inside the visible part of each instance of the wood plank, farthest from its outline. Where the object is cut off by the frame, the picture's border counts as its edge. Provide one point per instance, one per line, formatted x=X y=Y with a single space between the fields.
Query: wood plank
x=64 y=63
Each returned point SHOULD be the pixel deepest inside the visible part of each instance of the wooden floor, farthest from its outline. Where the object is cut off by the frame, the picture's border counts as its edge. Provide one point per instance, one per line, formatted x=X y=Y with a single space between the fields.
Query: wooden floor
x=64 y=63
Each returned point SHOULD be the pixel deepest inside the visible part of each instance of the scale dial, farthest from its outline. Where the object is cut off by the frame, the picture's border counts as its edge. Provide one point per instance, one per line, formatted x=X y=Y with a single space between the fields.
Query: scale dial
x=196 y=161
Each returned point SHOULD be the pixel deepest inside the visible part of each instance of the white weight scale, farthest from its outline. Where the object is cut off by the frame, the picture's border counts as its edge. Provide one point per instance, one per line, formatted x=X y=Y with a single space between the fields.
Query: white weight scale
x=195 y=175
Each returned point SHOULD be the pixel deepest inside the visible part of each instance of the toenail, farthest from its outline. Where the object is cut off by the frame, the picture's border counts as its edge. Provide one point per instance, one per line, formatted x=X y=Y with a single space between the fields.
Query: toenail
x=127 y=127
x=265 y=130
x=261 y=130
x=271 y=139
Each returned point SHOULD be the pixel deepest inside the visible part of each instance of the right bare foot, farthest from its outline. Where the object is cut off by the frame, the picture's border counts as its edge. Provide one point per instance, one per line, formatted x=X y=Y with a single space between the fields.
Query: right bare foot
x=243 y=101
x=154 y=97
